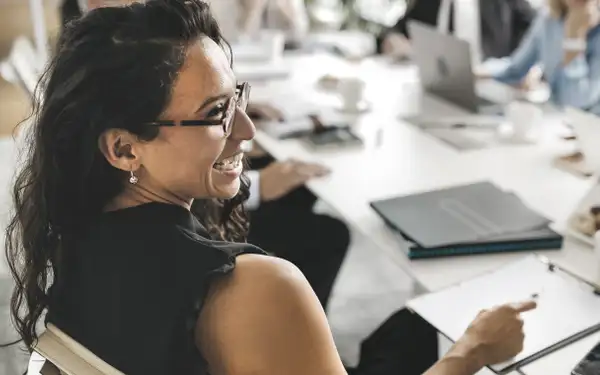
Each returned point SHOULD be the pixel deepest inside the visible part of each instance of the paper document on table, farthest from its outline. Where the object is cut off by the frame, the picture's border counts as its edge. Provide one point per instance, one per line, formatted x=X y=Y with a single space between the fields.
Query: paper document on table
x=568 y=309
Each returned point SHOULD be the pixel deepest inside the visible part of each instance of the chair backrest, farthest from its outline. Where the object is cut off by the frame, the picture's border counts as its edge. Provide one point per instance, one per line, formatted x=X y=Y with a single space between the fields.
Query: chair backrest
x=65 y=356
x=24 y=64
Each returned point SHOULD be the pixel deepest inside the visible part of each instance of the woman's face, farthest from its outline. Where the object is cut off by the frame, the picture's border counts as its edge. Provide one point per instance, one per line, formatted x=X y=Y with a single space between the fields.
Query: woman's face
x=197 y=161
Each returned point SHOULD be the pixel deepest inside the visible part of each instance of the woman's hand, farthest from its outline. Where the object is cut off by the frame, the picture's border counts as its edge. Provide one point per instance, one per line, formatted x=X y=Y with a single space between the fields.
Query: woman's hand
x=280 y=178
x=496 y=335
x=532 y=80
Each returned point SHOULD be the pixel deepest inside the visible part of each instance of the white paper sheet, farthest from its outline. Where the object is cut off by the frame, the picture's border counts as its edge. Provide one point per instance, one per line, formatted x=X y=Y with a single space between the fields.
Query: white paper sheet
x=566 y=306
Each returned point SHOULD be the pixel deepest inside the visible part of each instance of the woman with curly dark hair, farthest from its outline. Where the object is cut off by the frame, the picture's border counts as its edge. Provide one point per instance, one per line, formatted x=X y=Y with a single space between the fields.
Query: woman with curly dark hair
x=140 y=115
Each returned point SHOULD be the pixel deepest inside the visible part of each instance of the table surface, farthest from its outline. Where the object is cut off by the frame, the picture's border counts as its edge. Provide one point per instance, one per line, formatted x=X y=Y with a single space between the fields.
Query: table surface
x=400 y=159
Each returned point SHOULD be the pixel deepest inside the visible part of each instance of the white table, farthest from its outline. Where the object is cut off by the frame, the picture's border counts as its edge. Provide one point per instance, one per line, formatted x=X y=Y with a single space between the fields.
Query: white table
x=409 y=161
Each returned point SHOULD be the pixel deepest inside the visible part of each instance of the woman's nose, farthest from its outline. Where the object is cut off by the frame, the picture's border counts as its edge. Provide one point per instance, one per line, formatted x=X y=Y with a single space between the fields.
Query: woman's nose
x=243 y=128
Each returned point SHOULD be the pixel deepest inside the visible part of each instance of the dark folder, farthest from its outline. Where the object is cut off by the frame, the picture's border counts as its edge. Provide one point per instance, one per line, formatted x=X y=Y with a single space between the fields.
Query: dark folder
x=468 y=219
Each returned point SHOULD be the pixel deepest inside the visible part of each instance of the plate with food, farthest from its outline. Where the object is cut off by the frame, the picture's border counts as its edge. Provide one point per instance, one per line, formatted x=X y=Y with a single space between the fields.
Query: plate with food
x=585 y=221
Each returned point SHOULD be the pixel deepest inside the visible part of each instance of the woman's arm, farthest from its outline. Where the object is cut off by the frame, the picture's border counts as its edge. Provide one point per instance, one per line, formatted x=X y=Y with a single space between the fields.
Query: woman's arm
x=264 y=319
x=526 y=55
x=251 y=13
x=295 y=15
x=578 y=80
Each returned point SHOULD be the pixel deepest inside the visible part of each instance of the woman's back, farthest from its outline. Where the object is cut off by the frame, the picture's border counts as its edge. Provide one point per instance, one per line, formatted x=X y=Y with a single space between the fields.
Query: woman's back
x=134 y=283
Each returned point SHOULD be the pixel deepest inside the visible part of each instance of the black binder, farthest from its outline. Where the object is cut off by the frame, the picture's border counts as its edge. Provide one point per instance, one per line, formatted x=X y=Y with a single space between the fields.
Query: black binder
x=469 y=219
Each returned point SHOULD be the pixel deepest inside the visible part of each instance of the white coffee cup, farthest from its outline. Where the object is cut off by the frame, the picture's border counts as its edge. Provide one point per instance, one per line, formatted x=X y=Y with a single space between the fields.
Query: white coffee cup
x=525 y=119
x=587 y=130
x=352 y=92
x=597 y=254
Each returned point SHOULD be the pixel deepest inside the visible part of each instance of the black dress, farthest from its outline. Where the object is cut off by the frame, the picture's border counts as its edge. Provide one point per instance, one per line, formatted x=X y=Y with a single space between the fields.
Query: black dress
x=133 y=284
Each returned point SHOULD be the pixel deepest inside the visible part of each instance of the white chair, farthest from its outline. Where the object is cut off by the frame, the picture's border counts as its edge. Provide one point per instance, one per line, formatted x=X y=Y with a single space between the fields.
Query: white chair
x=22 y=66
x=58 y=354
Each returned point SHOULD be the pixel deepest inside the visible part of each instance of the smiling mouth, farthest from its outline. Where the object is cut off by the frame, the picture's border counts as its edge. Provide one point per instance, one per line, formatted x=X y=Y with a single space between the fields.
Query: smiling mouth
x=229 y=164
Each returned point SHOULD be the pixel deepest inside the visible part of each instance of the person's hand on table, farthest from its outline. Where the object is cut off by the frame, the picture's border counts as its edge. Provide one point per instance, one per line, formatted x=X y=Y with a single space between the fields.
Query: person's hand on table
x=532 y=80
x=495 y=335
x=482 y=74
x=264 y=112
x=280 y=178
x=396 y=45
x=483 y=71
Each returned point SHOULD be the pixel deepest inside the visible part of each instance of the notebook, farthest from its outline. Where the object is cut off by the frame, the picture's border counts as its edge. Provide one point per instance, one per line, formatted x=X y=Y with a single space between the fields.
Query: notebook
x=568 y=309
x=468 y=219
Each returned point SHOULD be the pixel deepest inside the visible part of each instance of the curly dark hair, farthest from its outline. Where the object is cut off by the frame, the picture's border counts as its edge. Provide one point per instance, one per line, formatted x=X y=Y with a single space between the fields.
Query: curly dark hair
x=114 y=68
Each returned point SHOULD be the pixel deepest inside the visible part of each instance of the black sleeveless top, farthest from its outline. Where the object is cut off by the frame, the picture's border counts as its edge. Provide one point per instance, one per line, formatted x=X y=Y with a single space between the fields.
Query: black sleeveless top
x=133 y=284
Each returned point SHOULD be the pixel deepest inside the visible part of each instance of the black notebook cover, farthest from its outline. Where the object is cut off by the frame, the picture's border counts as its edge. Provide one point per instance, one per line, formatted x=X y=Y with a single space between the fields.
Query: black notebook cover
x=469 y=219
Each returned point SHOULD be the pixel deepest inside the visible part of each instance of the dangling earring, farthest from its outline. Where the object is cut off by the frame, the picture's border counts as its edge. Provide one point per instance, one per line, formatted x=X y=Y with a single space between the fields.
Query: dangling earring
x=133 y=178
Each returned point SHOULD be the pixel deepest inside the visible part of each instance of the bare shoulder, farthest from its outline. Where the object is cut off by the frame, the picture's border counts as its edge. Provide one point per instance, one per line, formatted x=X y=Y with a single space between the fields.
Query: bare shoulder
x=265 y=319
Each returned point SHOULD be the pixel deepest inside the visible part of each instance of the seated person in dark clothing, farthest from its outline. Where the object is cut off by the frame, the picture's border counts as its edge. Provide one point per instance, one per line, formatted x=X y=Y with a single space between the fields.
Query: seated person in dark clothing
x=284 y=223
x=503 y=24
x=103 y=239
x=282 y=208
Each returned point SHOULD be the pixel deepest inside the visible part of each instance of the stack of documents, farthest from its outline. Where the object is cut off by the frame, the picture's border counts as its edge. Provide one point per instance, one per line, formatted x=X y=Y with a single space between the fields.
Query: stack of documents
x=469 y=219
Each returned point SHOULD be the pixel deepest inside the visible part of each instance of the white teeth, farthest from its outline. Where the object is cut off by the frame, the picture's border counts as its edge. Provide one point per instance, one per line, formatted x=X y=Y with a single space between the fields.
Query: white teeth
x=230 y=163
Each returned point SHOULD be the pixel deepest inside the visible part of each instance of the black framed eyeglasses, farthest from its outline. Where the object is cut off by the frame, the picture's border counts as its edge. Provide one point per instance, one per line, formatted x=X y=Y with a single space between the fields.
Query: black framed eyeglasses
x=240 y=100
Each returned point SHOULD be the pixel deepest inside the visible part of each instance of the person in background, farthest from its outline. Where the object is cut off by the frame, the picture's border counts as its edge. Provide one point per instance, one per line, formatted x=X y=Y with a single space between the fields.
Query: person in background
x=289 y=16
x=502 y=24
x=564 y=41
x=103 y=239
x=282 y=218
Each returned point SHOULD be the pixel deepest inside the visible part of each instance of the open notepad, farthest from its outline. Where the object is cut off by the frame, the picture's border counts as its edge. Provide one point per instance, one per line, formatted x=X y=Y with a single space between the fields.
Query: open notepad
x=568 y=309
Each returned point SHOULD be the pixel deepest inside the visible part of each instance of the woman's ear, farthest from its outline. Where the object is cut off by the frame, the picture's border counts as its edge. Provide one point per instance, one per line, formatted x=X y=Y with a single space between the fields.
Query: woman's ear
x=120 y=148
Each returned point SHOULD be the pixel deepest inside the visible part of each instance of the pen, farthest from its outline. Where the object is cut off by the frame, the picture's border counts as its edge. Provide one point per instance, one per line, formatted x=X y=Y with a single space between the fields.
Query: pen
x=459 y=125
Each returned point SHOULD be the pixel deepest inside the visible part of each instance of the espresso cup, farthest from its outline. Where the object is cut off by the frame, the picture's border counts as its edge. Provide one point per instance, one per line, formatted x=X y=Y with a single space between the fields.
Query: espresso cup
x=525 y=119
x=273 y=42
